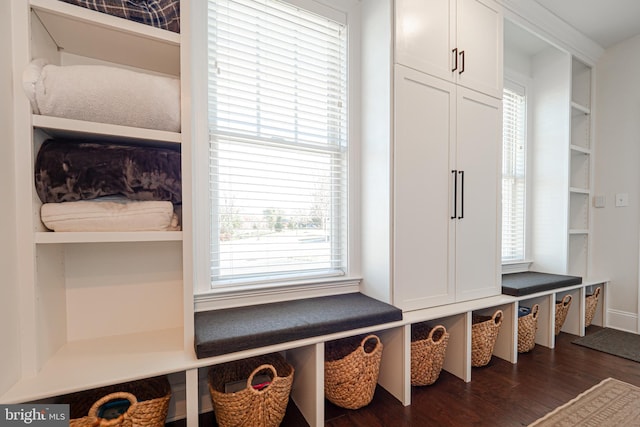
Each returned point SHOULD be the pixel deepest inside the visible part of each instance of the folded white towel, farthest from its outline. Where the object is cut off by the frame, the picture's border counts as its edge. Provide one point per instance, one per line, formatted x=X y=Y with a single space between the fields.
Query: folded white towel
x=103 y=94
x=110 y=214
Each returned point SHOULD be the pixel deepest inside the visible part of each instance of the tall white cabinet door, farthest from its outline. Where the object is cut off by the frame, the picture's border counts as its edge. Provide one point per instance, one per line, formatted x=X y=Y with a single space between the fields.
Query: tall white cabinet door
x=479 y=164
x=425 y=35
x=480 y=46
x=423 y=228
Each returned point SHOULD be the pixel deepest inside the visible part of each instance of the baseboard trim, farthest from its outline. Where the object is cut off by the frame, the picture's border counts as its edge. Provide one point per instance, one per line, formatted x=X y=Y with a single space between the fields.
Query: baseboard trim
x=622 y=320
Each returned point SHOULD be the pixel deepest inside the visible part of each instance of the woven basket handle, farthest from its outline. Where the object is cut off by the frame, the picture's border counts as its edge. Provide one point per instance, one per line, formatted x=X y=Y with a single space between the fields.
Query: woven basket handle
x=535 y=310
x=435 y=329
x=255 y=372
x=497 y=317
x=367 y=338
x=596 y=292
x=93 y=412
x=566 y=300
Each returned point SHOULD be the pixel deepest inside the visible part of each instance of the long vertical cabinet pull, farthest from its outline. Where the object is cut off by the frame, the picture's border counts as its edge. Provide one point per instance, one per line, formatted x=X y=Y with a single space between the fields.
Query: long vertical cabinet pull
x=455 y=194
x=462 y=58
x=461 y=194
x=455 y=59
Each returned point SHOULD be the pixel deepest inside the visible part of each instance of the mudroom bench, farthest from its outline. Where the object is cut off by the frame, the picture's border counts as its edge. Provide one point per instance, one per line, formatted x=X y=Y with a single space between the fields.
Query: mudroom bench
x=301 y=328
x=546 y=290
x=219 y=332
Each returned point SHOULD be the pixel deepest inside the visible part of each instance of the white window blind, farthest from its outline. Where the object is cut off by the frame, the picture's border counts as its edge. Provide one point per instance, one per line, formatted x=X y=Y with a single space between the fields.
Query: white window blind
x=513 y=174
x=278 y=142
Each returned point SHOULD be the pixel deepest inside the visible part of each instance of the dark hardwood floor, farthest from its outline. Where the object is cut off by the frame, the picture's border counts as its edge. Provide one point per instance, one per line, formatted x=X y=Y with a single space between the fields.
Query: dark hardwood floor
x=499 y=394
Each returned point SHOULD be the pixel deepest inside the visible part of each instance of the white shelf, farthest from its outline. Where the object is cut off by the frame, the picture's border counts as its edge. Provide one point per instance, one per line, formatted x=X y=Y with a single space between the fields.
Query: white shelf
x=581 y=83
x=580 y=149
x=578 y=190
x=85 y=32
x=577 y=231
x=82 y=365
x=64 y=128
x=580 y=170
x=50 y=237
x=447 y=310
x=580 y=129
x=578 y=252
x=581 y=108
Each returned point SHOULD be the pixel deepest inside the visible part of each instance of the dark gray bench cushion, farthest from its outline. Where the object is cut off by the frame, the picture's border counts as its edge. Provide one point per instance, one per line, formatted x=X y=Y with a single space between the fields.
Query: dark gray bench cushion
x=531 y=282
x=234 y=329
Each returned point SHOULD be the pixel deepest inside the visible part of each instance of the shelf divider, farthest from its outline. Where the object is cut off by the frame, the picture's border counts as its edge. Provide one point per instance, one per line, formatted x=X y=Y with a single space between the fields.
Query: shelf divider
x=50 y=237
x=63 y=127
x=87 y=364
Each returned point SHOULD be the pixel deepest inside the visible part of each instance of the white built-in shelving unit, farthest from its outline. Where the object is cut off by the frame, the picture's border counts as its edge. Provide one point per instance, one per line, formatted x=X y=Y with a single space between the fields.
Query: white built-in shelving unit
x=96 y=308
x=560 y=141
x=580 y=168
x=103 y=308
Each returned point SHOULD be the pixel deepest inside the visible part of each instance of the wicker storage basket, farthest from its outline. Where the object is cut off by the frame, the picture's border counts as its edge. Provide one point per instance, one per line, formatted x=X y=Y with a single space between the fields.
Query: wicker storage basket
x=484 y=332
x=591 y=302
x=562 y=308
x=148 y=404
x=351 y=370
x=428 y=348
x=527 y=326
x=250 y=407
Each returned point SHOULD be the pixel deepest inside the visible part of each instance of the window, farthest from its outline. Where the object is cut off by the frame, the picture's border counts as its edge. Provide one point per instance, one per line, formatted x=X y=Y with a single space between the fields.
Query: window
x=278 y=145
x=514 y=174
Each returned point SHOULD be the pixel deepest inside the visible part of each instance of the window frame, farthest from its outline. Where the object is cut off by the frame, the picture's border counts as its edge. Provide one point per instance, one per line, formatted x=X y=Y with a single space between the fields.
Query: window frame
x=524 y=82
x=208 y=297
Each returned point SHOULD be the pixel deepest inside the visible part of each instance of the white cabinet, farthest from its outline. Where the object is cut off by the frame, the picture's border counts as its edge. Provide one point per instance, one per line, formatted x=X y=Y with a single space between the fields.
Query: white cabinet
x=424 y=230
x=426 y=36
x=479 y=149
x=446 y=163
x=456 y=40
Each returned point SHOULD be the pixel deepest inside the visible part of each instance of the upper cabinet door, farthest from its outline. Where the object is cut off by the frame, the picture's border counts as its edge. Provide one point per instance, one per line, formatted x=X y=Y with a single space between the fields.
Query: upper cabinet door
x=425 y=36
x=459 y=41
x=480 y=46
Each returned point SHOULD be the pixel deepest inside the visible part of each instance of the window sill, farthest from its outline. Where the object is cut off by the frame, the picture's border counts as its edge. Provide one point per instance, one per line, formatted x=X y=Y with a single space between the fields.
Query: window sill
x=516 y=267
x=229 y=297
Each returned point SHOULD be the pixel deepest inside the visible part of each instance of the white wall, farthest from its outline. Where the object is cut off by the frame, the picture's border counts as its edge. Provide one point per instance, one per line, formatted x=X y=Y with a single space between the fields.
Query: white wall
x=617 y=170
x=516 y=61
x=10 y=347
x=375 y=185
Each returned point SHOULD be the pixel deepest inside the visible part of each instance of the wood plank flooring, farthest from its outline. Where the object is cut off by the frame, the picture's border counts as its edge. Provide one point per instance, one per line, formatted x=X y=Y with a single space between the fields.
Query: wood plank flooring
x=499 y=395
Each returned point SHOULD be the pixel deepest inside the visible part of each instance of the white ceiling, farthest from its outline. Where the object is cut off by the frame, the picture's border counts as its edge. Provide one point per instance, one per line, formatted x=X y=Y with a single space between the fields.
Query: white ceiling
x=606 y=22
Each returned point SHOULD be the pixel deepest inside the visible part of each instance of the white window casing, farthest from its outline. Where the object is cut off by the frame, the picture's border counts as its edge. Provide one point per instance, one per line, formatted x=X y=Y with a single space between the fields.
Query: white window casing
x=277 y=179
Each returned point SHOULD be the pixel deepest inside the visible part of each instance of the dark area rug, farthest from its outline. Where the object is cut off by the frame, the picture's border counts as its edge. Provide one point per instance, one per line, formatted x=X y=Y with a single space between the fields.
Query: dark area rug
x=613 y=341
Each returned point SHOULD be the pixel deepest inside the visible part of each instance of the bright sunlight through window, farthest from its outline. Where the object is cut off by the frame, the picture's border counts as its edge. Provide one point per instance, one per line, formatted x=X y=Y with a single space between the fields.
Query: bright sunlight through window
x=513 y=174
x=277 y=143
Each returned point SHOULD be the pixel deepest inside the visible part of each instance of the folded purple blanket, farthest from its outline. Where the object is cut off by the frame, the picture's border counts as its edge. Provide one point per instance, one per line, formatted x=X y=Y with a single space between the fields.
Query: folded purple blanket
x=68 y=170
x=163 y=14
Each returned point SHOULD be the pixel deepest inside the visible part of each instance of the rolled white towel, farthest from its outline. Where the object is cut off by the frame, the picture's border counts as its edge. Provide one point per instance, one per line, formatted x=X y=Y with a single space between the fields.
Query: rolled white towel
x=30 y=76
x=110 y=214
x=104 y=94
